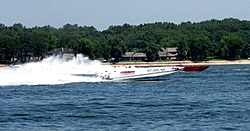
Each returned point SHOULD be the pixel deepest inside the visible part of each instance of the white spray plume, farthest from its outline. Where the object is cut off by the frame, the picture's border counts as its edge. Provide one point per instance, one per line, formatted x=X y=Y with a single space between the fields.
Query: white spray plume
x=52 y=70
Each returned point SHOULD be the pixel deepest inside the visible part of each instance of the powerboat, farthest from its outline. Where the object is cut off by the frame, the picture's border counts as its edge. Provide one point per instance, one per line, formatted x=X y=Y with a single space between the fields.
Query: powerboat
x=188 y=68
x=129 y=72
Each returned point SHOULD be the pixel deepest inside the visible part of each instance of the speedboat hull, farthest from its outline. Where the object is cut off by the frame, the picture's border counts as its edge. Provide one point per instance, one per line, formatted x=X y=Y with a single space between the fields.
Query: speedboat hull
x=131 y=72
x=188 y=68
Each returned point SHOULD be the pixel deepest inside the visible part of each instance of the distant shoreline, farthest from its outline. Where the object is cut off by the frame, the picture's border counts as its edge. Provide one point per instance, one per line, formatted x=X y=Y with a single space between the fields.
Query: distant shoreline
x=171 y=63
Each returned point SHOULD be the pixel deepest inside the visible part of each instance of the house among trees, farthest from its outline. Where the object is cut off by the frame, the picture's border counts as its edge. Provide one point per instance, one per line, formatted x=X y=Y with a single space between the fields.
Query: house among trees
x=139 y=56
x=28 y=57
x=164 y=54
x=168 y=53
x=134 y=56
x=128 y=56
x=64 y=52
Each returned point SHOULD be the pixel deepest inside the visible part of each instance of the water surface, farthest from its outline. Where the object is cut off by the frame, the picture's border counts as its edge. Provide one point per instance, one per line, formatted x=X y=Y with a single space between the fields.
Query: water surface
x=215 y=99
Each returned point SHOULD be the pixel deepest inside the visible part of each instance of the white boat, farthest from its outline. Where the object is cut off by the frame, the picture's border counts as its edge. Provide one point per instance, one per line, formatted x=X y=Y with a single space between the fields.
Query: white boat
x=129 y=72
x=15 y=66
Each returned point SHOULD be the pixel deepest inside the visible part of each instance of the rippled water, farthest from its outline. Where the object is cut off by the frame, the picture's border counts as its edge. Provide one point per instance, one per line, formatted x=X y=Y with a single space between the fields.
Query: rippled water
x=215 y=99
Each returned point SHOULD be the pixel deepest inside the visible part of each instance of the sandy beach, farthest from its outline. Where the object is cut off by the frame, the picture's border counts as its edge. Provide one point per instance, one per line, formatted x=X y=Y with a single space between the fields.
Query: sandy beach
x=170 y=63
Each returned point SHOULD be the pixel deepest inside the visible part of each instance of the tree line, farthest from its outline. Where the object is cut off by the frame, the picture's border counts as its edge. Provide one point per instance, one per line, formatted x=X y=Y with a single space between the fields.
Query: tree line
x=227 y=39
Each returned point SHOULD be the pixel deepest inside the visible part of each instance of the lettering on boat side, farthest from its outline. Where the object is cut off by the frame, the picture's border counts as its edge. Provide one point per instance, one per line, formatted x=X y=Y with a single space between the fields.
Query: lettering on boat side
x=127 y=72
x=156 y=70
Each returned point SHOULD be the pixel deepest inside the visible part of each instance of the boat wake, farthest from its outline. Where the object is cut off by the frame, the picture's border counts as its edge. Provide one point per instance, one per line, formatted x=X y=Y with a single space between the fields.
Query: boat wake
x=52 y=70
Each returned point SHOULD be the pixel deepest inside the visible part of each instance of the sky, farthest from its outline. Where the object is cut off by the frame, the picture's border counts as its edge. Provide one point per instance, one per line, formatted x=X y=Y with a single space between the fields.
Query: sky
x=104 y=13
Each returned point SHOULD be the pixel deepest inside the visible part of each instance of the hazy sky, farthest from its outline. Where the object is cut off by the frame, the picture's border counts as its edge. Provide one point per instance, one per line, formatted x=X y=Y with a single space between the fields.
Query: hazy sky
x=103 y=13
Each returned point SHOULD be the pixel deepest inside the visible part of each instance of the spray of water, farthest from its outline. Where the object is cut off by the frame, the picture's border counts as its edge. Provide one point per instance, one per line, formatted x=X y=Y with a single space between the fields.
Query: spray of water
x=52 y=70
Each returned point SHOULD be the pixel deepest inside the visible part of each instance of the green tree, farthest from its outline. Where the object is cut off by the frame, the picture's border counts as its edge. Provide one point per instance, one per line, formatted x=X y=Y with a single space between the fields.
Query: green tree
x=26 y=44
x=40 y=42
x=116 y=47
x=151 y=51
x=9 y=49
x=182 y=46
x=231 y=47
x=85 y=46
x=199 y=47
x=168 y=42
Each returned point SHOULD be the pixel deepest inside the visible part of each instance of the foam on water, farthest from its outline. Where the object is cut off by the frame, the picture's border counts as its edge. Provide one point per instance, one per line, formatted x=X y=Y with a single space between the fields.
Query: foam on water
x=52 y=70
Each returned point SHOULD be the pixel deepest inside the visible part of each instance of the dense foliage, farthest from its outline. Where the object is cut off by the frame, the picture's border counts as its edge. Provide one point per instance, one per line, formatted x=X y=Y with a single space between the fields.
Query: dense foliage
x=221 y=39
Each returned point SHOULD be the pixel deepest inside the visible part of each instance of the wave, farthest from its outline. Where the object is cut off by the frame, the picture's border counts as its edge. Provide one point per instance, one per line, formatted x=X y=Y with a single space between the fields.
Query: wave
x=52 y=70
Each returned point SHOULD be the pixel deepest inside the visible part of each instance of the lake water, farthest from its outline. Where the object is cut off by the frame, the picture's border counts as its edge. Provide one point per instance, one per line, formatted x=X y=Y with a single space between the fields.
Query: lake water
x=32 y=99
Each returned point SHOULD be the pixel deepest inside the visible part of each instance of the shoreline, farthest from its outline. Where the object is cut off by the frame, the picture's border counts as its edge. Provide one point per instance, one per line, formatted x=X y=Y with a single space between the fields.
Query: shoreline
x=172 y=63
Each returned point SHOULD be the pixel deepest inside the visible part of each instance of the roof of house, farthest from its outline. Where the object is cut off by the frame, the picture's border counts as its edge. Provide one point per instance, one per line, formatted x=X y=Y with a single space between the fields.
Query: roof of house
x=60 y=50
x=172 y=54
x=163 y=52
x=167 y=52
x=128 y=54
x=139 y=54
x=172 y=49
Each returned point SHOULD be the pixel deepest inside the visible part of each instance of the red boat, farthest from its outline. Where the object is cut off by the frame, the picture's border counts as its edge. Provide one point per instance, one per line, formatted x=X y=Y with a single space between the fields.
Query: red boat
x=194 y=67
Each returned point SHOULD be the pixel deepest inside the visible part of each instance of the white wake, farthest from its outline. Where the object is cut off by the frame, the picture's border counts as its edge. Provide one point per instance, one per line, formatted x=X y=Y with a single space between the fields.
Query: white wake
x=52 y=70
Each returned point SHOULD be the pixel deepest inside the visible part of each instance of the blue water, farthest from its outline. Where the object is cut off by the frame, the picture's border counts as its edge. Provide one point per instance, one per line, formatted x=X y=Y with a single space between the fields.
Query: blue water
x=215 y=99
